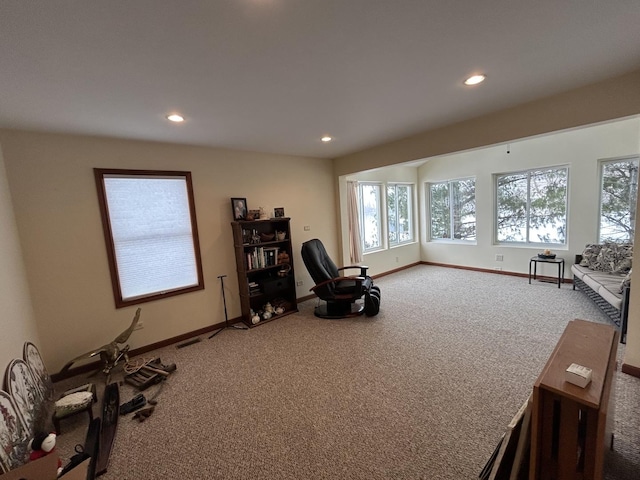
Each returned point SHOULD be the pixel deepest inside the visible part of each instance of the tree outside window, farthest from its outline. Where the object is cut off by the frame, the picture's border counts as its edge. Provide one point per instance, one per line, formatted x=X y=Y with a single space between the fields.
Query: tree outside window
x=453 y=210
x=370 y=216
x=532 y=206
x=399 y=213
x=618 y=194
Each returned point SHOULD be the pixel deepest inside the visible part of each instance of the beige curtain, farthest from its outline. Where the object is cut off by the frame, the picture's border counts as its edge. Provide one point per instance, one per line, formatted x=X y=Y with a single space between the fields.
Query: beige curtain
x=355 y=239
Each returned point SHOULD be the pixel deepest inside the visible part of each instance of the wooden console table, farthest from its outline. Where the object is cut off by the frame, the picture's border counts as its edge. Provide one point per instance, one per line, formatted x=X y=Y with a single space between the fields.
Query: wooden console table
x=571 y=426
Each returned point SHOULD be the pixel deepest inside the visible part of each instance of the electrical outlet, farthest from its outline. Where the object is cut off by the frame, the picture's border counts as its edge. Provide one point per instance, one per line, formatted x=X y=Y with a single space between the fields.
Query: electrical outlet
x=299 y=284
x=499 y=257
x=139 y=325
x=499 y=269
x=397 y=259
x=307 y=228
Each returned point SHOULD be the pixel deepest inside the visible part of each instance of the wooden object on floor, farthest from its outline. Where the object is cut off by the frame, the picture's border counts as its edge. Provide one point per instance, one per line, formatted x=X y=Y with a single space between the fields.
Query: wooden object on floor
x=571 y=426
x=506 y=465
x=509 y=461
x=143 y=379
x=110 y=413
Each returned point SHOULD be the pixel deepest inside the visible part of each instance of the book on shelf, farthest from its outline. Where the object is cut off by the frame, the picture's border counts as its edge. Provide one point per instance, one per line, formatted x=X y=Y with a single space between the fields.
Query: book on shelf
x=262 y=257
x=270 y=256
x=254 y=288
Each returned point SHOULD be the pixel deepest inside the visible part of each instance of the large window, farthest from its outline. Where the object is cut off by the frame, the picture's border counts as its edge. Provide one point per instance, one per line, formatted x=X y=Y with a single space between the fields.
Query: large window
x=371 y=216
x=532 y=206
x=618 y=194
x=151 y=234
x=399 y=213
x=453 y=210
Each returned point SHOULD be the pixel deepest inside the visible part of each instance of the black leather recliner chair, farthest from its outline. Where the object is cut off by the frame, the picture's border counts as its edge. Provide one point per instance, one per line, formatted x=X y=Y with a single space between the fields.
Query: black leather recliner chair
x=341 y=293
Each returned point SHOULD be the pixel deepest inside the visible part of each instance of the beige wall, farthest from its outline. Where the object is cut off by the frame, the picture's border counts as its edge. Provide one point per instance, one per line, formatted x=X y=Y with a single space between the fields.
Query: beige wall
x=56 y=209
x=17 y=322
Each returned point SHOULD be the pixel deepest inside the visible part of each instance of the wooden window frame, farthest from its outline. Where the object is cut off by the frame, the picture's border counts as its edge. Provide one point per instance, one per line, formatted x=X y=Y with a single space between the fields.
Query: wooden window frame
x=120 y=302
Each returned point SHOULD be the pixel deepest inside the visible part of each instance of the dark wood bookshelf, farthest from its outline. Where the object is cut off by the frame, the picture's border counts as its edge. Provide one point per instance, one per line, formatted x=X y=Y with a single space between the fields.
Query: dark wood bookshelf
x=255 y=265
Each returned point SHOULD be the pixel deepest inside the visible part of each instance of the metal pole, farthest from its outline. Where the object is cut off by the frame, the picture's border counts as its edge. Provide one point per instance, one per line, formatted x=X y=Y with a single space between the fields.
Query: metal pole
x=224 y=301
x=226 y=317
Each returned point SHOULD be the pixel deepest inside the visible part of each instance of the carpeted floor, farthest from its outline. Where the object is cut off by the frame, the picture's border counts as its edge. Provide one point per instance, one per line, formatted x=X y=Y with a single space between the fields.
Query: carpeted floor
x=422 y=391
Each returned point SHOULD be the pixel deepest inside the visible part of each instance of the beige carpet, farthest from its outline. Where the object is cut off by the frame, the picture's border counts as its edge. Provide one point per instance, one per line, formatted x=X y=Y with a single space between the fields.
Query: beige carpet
x=422 y=391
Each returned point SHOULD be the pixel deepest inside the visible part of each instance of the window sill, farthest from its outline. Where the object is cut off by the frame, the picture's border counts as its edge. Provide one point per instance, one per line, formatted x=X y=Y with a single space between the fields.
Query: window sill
x=403 y=244
x=453 y=242
x=532 y=246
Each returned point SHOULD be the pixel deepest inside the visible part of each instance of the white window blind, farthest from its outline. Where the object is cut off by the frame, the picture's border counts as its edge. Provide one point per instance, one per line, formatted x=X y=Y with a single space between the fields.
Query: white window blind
x=150 y=226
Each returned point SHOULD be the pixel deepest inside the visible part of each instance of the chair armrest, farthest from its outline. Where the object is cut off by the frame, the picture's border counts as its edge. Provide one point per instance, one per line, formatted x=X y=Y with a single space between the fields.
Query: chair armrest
x=363 y=269
x=358 y=280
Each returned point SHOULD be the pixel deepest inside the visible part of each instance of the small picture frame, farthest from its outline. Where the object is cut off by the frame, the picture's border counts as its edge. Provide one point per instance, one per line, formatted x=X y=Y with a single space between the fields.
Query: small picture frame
x=278 y=212
x=253 y=215
x=239 y=208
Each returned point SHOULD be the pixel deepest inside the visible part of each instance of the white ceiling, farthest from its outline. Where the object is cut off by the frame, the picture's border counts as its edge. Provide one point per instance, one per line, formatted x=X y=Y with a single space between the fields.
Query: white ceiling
x=276 y=75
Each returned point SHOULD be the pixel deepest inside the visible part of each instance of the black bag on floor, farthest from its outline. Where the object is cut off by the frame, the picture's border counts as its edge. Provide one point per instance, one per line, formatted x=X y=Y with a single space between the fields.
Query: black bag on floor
x=372 y=302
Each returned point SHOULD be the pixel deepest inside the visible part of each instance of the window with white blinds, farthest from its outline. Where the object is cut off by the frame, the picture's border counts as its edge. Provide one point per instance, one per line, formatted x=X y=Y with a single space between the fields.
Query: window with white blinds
x=151 y=234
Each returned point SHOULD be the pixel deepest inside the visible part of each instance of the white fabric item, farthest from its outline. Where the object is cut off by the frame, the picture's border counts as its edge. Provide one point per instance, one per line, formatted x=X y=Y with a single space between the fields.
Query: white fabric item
x=152 y=233
x=73 y=403
x=612 y=298
x=580 y=271
x=355 y=237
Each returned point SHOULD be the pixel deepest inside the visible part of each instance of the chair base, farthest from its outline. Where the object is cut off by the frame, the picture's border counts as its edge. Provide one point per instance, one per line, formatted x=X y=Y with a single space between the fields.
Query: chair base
x=339 y=310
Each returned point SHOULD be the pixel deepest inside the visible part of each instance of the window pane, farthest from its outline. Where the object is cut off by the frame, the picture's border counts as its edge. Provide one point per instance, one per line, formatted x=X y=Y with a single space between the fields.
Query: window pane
x=392 y=214
x=548 y=206
x=618 y=201
x=152 y=242
x=404 y=213
x=440 y=211
x=464 y=209
x=512 y=208
x=370 y=203
x=453 y=210
x=532 y=206
x=399 y=213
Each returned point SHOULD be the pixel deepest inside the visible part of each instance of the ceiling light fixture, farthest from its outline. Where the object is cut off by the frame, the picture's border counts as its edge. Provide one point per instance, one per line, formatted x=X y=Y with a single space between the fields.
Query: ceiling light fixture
x=174 y=117
x=475 y=79
x=326 y=138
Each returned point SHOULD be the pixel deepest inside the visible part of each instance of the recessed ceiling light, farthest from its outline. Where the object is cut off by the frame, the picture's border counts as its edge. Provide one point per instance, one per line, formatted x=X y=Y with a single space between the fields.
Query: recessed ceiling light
x=475 y=79
x=326 y=138
x=174 y=117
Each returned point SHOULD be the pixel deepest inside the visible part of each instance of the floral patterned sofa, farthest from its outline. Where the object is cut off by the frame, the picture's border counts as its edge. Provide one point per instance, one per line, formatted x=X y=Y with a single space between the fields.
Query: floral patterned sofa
x=603 y=273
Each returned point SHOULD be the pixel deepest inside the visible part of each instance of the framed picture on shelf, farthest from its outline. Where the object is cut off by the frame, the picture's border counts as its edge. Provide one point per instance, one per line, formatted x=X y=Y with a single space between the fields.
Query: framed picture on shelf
x=239 y=208
x=278 y=212
x=253 y=215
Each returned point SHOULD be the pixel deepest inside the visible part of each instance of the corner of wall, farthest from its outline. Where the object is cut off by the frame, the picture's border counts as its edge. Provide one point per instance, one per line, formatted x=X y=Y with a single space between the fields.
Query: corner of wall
x=17 y=322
